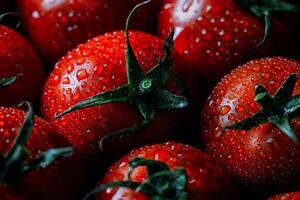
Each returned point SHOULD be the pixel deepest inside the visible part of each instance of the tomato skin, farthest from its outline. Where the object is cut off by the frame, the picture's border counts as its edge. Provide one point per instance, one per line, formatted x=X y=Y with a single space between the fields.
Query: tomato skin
x=215 y=36
x=287 y=196
x=75 y=21
x=262 y=157
x=99 y=66
x=62 y=180
x=17 y=56
x=206 y=180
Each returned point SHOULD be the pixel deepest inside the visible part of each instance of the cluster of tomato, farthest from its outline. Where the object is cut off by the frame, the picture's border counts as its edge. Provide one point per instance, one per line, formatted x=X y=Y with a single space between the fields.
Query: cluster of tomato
x=114 y=90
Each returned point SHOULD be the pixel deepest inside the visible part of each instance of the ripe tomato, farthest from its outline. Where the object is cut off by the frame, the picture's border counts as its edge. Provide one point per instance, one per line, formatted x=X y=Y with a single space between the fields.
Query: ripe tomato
x=75 y=21
x=18 y=57
x=28 y=168
x=216 y=36
x=171 y=171
x=262 y=151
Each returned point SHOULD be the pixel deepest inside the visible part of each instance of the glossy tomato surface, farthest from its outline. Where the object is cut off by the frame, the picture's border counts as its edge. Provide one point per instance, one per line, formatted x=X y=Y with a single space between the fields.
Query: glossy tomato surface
x=57 y=26
x=216 y=36
x=99 y=66
x=17 y=56
x=62 y=180
x=262 y=157
x=206 y=180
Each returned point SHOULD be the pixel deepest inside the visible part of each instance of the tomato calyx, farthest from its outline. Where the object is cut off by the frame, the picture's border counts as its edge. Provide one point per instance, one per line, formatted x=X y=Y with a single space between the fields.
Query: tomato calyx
x=277 y=109
x=4 y=82
x=144 y=91
x=14 y=164
x=162 y=182
x=264 y=9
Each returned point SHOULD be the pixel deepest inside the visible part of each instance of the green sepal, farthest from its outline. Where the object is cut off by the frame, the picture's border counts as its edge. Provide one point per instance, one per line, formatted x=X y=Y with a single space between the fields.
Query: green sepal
x=270 y=104
x=284 y=93
x=293 y=105
x=153 y=166
x=19 y=152
x=247 y=124
x=277 y=109
x=148 y=115
x=8 y=81
x=162 y=183
x=14 y=164
x=167 y=185
x=264 y=9
x=45 y=159
x=165 y=100
x=127 y=184
x=284 y=125
x=121 y=94
x=145 y=91
x=134 y=71
x=42 y=161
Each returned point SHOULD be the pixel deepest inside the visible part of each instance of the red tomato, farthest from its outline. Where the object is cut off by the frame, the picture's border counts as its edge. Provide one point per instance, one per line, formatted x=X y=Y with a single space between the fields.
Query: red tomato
x=216 y=36
x=55 y=27
x=288 y=196
x=18 y=57
x=204 y=180
x=99 y=66
x=63 y=179
x=261 y=155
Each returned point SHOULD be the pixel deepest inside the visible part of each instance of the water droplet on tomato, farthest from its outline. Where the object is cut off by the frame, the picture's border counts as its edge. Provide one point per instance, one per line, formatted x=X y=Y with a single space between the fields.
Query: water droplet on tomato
x=76 y=95
x=218 y=102
x=81 y=61
x=265 y=75
x=69 y=91
x=56 y=80
x=70 y=69
x=239 y=108
x=98 y=69
x=225 y=110
x=81 y=74
x=231 y=117
x=63 y=97
x=258 y=147
x=66 y=80
x=186 y=5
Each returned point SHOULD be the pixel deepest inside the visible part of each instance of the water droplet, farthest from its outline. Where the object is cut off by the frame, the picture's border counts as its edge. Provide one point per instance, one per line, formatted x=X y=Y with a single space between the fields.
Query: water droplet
x=70 y=69
x=98 y=70
x=35 y=14
x=81 y=61
x=239 y=108
x=222 y=32
x=66 y=80
x=186 y=5
x=56 y=80
x=63 y=97
x=225 y=110
x=265 y=75
x=258 y=147
x=81 y=74
x=76 y=95
x=231 y=117
x=69 y=91
x=218 y=102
